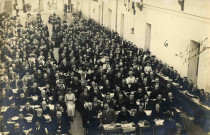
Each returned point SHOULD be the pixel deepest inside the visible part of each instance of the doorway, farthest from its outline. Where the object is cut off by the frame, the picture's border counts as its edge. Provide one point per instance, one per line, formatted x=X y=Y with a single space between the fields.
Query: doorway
x=109 y=15
x=122 y=26
x=147 y=36
x=193 y=62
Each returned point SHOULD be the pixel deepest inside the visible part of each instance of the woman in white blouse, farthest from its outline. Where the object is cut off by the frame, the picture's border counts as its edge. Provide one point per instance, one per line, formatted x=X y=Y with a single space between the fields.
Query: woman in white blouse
x=147 y=68
x=70 y=103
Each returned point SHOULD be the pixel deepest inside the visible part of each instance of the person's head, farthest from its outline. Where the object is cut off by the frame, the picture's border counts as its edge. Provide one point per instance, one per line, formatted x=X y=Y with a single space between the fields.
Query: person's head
x=157 y=80
x=39 y=112
x=44 y=103
x=45 y=75
x=156 y=87
x=43 y=93
x=159 y=96
x=34 y=85
x=59 y=114
x=145 y=80
x=168 y=85
x=16 y=126
x=95 y=99
x=12 y=105
x=47 y=86
x=146 y=97
x=141 y=108
x=142 y=74
x=27 y=105
x=20 y=116
x=170 y=95
x=39 y=71
x=157 y=106
x=106 y=106
x=120 y=96
x=184 y=79
x=123 y=108
x=140 y=89
x=22 y=95
x=130 y=73
x=117 y=88
x=37 y=124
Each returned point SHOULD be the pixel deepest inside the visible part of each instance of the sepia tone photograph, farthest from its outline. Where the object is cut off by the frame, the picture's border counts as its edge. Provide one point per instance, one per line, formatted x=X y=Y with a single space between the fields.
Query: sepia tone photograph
x=104 y=67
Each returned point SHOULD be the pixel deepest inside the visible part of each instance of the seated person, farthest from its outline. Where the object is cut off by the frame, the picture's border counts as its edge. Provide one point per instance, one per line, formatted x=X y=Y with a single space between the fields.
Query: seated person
x=123 y=116
x=3 y=124
x=157 y=113
x=38 y=129
x=43 y=97
x=22 y=122
x=148 y=104
x=108 y=115
x=34 y=90
x=110 y=101
x=39 y=117
x=155 y=92
x=120 y=102
x=96 y=93
x=159 y=100
x=20 y=101
x=130 y=78
x=4 y=99
x=141 y=115
x=131 y=102
x=139 y=95
x=84 y=97
x=45 y=108
x=27 y=110
x=147 y=68
x=17 y=130
x=11 y=111
x=60 y=120
x=16 y=82
x=96 y=105
x=195 y=91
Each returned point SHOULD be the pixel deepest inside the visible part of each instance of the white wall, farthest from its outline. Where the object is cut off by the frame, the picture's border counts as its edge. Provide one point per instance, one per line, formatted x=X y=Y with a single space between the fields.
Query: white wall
x=169 y=23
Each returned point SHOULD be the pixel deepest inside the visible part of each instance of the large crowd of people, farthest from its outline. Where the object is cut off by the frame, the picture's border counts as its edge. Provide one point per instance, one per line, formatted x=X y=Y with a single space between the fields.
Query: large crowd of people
x=106 y=78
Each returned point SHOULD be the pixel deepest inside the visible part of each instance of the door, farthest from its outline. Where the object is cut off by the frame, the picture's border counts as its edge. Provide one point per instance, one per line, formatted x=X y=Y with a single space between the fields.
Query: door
x=109 y=18
x=193 y=62
x=147 y=36
x=122 y=26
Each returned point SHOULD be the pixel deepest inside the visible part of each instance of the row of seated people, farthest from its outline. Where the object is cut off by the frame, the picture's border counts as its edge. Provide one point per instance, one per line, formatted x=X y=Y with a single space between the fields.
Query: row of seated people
x=93 y=68
x=29 y=98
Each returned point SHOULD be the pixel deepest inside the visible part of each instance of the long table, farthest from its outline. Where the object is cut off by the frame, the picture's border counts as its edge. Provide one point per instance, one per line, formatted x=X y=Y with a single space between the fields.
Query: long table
x=192 y=106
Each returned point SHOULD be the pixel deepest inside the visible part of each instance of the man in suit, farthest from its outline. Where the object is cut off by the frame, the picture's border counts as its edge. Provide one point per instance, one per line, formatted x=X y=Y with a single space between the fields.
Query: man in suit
x=27 y=110
x=108 y=115
x=38 y=129
x=22 y=122
x=157 y=113
x=39 y=117
x=21 y=100
x=148 y=104
x=45 y=108
x=60 y=120
x=16 y=130
x=12 y=111
x=4 y=99
x=124 y=116
x=34 y=90
x=141 y=115
x=155 y=92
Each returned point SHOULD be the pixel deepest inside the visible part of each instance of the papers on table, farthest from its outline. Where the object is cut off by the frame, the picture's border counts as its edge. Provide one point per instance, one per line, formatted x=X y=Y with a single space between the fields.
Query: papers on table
x=29 y=118
x=51 y=106
x=15 y=118
x=4 y=108
x=14 y=90
x=35 y=98
x=159 y=122
x=128 y=127
x=148 y=112
x=141 y=124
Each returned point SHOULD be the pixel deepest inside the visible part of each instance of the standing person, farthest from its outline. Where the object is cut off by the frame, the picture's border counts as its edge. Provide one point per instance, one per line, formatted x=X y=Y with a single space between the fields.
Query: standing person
x=70 y=103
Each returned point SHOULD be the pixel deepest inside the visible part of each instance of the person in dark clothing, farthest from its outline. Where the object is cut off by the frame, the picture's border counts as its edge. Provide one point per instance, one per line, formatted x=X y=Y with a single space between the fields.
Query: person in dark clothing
x=123 y=116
